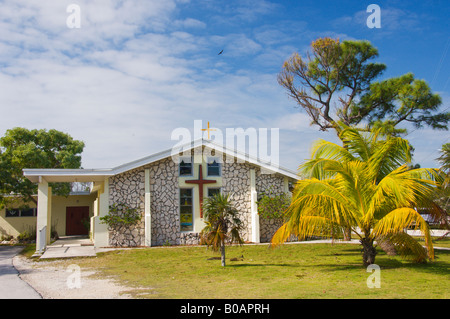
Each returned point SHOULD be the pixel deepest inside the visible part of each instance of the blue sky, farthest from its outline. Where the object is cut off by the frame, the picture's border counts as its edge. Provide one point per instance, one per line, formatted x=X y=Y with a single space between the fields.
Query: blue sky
x=137 y=70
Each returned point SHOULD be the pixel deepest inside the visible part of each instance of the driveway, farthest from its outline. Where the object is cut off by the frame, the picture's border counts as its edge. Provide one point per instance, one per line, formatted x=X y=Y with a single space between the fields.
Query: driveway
x=11 y=286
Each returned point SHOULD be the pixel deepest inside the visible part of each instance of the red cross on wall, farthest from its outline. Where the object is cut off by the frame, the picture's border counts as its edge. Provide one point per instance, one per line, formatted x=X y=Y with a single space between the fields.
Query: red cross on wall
x=200 y=182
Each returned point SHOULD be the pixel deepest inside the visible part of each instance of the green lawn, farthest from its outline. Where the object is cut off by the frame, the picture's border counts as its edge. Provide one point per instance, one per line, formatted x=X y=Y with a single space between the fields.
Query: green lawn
x=290 y=271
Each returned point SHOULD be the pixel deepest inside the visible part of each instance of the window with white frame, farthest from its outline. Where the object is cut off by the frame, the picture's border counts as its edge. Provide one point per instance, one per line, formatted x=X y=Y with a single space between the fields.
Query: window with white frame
x=214 y=167
x=185 y=166
x=186 y=209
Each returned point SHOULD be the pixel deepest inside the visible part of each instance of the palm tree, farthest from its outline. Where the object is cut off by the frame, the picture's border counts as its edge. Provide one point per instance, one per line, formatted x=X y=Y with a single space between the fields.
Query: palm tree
x=444 y=158
x=442 y=195
x=367 y=186
x=222 y=223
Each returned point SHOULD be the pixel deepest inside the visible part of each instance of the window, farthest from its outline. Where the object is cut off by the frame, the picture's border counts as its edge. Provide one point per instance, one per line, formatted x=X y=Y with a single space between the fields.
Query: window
x=213 y=191
x=28 y=212
x=12 y=213
x=186 y=167
x=214 y=168
x=186 y=210
x=21 y=212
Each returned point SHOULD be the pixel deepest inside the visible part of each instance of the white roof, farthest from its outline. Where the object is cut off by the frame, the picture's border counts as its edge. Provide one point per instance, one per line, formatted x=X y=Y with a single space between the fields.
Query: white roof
x=93 y=175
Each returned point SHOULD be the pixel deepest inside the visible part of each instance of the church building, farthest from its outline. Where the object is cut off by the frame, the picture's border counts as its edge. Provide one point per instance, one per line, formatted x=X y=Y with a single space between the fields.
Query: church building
x=167 y=190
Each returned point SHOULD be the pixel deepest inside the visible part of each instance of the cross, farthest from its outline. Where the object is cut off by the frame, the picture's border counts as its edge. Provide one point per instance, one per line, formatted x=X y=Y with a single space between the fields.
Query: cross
x=208 y=130
x=200 y=182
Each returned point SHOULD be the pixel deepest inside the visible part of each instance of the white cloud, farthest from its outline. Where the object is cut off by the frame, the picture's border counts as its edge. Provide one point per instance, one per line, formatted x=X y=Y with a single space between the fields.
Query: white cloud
x=122 y=100
x=190 y=23
x=393 y=20
x=136 y=70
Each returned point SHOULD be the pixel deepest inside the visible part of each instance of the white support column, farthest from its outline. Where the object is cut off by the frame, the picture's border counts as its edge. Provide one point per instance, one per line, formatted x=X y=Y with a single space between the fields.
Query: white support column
x=254 y=207
x=44 y=215
x=49 y=215
x=101 y=235
x=286 y=185
x=92 y=220
x=147 y=211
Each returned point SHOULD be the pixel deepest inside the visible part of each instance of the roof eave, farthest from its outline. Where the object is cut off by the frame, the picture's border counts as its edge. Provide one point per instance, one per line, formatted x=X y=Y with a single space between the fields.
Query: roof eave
x=36 y=175
x=92 y=175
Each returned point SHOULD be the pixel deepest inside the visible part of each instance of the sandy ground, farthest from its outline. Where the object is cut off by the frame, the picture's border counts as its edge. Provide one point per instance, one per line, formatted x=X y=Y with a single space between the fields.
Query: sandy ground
x=53 y=280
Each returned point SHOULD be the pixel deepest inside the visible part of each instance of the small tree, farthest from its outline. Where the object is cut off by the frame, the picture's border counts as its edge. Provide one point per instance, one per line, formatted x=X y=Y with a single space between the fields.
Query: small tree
x=22 y=148
x=222 y=224
x=121 y=220
x=120 y=215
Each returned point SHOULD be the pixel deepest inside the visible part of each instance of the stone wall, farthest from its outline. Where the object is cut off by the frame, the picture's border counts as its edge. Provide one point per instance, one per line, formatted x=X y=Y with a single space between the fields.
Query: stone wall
x=269 y=182
x=236 y=181
x=128 y=188
x=189 y=239
x=164 y=203
x=267 y=228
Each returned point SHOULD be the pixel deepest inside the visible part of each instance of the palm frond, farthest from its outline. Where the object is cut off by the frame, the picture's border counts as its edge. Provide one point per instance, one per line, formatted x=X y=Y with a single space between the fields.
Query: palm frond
x=398 y=220
x=408 y=247
x=321 y=152
x=329 y=150
x=444 y=158
x=280 y=236
x=398 y=187
x=303 y=227
x=235 y=236
x=432 y=176
x=356 y=143
x=315 y=168
x=389 y=155
x=322 y=199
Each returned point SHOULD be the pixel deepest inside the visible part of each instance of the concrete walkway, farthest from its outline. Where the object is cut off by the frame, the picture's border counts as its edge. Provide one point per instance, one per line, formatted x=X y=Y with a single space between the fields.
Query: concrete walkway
x=11 y=286
x=72 y=246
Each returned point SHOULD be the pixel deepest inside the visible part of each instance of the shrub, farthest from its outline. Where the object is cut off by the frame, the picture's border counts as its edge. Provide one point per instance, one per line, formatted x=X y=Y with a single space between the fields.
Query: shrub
x=272 y=206
x=26 y=236
x=119 y=215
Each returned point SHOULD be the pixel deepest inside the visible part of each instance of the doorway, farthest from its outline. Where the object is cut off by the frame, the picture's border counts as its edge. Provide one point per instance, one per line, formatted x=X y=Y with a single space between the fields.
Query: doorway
x=76 y=219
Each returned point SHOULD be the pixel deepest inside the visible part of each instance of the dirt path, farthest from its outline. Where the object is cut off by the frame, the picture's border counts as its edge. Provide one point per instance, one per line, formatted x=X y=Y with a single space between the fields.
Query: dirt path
x=56 y=280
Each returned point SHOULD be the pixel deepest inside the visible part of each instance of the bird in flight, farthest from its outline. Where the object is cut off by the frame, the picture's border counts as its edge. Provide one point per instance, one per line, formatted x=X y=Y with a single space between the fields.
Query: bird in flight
x=220 y=52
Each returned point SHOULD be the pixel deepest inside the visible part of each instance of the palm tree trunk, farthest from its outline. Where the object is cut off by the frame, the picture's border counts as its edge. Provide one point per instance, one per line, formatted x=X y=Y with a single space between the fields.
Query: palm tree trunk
x=369 y=251
x=222 y=253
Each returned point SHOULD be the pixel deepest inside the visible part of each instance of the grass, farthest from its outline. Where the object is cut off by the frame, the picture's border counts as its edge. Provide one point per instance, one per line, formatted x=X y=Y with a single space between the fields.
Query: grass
x=288 y=272
x=29 y=250
x=438 y=242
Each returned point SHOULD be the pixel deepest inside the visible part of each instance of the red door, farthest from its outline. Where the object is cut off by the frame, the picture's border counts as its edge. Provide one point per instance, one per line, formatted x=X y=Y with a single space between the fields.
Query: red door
x=74 y=220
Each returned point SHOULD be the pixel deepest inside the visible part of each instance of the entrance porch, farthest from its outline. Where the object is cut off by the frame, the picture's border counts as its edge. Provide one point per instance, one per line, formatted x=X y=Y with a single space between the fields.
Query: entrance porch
x=75 y=215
